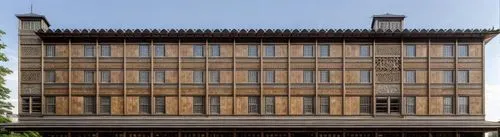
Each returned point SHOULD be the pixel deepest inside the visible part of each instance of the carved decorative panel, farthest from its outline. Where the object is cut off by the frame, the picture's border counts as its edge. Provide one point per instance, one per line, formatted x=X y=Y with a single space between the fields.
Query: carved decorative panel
x=31 y=76
x=31 y=52
x=388 y=77
x=387 y=64
x=388 y=50
x=30 y=89
x=387 y=89
x=30 y=65
x=30 y=41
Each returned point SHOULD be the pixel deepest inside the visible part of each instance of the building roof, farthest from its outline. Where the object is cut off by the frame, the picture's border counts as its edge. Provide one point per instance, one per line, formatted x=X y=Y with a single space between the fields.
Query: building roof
x=34 y=16
x=388 y=15
x=242 y=122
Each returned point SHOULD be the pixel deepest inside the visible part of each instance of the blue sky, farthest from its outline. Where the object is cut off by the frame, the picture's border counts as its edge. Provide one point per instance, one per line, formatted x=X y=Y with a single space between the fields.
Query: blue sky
x=259 y=14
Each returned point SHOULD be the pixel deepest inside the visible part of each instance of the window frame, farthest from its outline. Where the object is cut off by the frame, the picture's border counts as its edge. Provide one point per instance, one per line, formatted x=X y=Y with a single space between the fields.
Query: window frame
x=215 y=50
x=270 y=108
x=51 y=76
x=105 y=78
x=105 y=50
x=251 y=51
x=89 y=106
x=413 y=52
x=160 y=105
x=86 y=52
x=362 y=51
x=388 y=105
x=251 y=77
x=198 y=105
x=462 y=47
x=143 y=53
x=463 y=105
x=365 y=103
x=160 y=50
x=86 y=76
x=448 y=50
x=322 y=50
x=324 y=105
x=253 y=105
x=160 y=77
x=144 y=76
x=270 y=50
x=201 y=50
x=463 y=76
x=215 y=105
x=50 y=51
x=448 y=106
x=50 y=104
x=409 y=79
x=308 y=105
x=411 y=105
x=105 y=105
x=200 y=74
x=368 y=78
x=308 y=76
x=144 y=105
x=324 y=76
x=270 y=78
x=448 y=79
x=309 y=52
x=214 y=76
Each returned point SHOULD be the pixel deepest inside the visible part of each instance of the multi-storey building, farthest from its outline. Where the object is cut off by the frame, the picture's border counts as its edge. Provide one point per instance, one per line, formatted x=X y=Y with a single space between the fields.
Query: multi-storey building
x=386 y=81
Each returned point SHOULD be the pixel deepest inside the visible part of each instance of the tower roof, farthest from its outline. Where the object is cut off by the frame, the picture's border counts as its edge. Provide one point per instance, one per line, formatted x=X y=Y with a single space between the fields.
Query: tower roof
x=32 y=16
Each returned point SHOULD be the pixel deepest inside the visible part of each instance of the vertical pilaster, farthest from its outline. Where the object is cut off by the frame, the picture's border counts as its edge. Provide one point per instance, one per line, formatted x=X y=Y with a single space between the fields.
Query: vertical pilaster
x=261 y=49
x=343 y=77
x=289 y=85
x=401 y=106
x=179 y=67
x=316 y=78
x=455 y=77
x=152 y=76
x=483 y=79
x=70 y=73
x=429 y=77
x=374 y=76
x=234 y=78
x=97 y=74
x=125 y=106
x=207 y=111
x=42 y=80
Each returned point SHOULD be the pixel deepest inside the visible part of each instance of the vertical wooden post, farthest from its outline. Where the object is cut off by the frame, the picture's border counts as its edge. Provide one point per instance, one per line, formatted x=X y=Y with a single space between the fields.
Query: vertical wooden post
x=70 y=73
x=374 y=76
x=179 y=67
x=152 y=76
x=343 y=77
x=42 y=81
x=455 y=77
x=429 y=77
x=315 y=78
x=234 y=77
x=125 y=106
x=207 y=109
x=97 y=75
x=483 y=78
x=262 y=106
x=289 y=85
x=401 y=106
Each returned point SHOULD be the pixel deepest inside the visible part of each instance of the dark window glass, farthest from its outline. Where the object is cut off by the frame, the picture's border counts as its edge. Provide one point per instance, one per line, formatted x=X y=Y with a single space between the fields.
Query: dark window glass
x=50 y=51
x=308 y=105
x=215 y=105
x=325 y=105
x=159 y=50
x=143 y=76
x=269 y=105
x=198 y=105
x=105 y=105
x=89 y=77
x=88 y=51
x=143 y=50
x=253 y=105
x=51 y=76
x=160 y=105
x=89 y=105
x=105 y=50
x=365 y=104
x=144 y=105
x=51 y=104
x=105 y=76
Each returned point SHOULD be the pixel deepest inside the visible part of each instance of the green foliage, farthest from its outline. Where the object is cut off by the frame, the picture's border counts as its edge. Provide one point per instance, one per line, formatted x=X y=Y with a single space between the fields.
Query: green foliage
x=5 y=105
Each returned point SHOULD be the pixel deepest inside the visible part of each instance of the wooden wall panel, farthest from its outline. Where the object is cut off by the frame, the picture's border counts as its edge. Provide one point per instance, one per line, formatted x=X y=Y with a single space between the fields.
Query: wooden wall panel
x=421 y=76
x=226 y=76
x=62 y=51
x=351 y=106
x=171 y=50
x=296 y=105
x=241 y=51
x=335 y=76
x=138 y=91
x=352 y=76
x=437 y=105
x=132 y=105
x=335 y=51
x=76 y=105
x=352 y=50
x=117 y=76
x=421 y=50
x=421 y=106
x=281 y=77
x=281 y=105
x=76 y=51
x=77 y=76
x=226 y=50
x=475 y=76
x=241 y=105
x=186 y=76
x=171 y=76
x=436 y=77
x=476 y=105
x=116 y=50
x=296 y=50
x=186 y=51
x=475 y=50
x=171 y=102
x=281 y=50
x=241 y=76
x=111 y=91
x=335 y=105
x=61 y=105
x=226 y=105
x=436 y=51
x=296 y=76
x=186 y=106
x=132 y=50
x=61 y=76
x=116 y=105
x=132 y=76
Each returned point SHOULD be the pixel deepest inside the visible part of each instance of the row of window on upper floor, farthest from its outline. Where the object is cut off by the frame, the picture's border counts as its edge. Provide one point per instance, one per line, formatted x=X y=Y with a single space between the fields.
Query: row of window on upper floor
x=383 y=105
x=269 y=50
x=308 y=76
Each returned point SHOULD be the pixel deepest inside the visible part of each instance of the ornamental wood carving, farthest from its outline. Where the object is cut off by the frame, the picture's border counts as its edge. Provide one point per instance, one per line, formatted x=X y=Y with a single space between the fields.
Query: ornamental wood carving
x=30 y=88
x=388 y=50
x=31 y=76
x=30 y=51
x=387 y=89
x=388 y=77
x=387 y=64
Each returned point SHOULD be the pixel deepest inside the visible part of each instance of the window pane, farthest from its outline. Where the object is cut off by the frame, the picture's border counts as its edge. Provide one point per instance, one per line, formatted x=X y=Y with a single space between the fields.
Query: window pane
x=448 y=50
x=308 y=105
x=143 y=50
x=214 y=105
x=198 y=50
x=253 y=76
x=365 y=76
x=105 y=50
x=365 y=104
x=394 y=105
x=160 y=50
x=143 y=76
x=253 y=105
x=160 y=76
x=198 y=76
x=447 y=105
x=269 y=105
x=215 y=50
x=447 y=76
x=410 y=77
x=198 y=105
x=308 y=76
x=51 y=76
x=410 y=50
x=270 y=51
x=89 y=77
x=144 y=105
x=160 y=104
x=270 y=76
x=36 y=104
x=410 y=105
x=325 y=76
x=252 y=50
x=308 y=51
x=325 y=105
x=463 y=76
x=105 y=105
x=25 y=104
x=50 y=51
x=214 y=76
x=381 y=105
x=324 y=50
x=364 y=51
x=89 y=105
x=463 y=50
x=463 y=105
x=89 y=50
x=105 y=77
x=51 y=104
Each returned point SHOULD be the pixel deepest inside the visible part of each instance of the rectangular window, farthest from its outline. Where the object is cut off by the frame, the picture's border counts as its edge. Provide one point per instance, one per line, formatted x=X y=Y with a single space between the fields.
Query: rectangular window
x=448 y=76
x=270 y=51
x=215 y=50
x=160 y=105
x=447 y=105
x=364 y=104
x=144 y=105
x=25 y=104
x=143 y=50
x=88 y=50
x=252 y=51
x=143 y=76
x=51 y=104
x=387 y=105
x=105 y=76
x=269 y=105
x=395 y=104
x=198 y=76
x=89 y=77
x=463 y=105
x=364 y=76
x=198 y=105
x=160 y=50
x=105 y=105
x=105 y=51
x=364 y=51
x=308 y=51
x=324 y=50
x=448 y=50
x=89 y=105
x=463 y=50
x=324 y=105
x=324 y=76
x=308 y=105
x=160 y=76
x=51 y=76
x=463 y=76
x=411 y=77
x=253 y=105
x=269 y=76
x=308 y=76
x=198 y=50
x=50 y=51
x=36 y=104
x=411 y=105
x=411 y=51
x=215 y=105
x=214 y=77
x=253 y=76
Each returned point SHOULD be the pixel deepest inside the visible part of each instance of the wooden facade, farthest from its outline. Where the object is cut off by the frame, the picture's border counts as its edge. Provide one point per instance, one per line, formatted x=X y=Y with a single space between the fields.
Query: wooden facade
x=386 y=63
